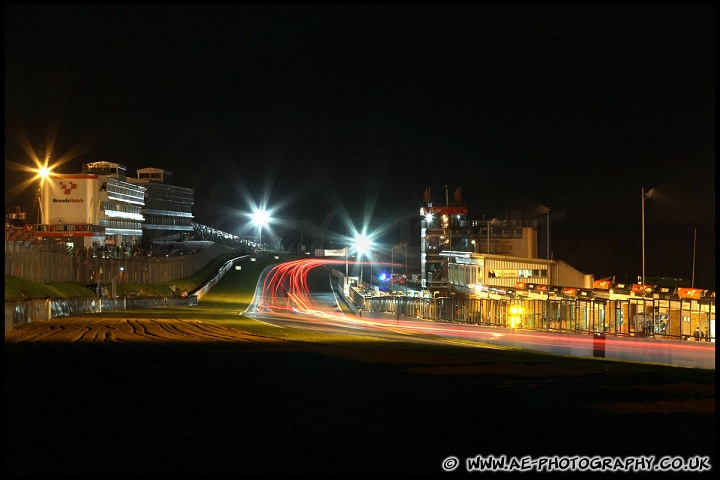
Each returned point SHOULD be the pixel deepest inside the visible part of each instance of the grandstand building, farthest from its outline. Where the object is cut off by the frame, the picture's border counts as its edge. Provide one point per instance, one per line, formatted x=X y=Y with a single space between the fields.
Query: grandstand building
x=167 y=209
x=102 y=208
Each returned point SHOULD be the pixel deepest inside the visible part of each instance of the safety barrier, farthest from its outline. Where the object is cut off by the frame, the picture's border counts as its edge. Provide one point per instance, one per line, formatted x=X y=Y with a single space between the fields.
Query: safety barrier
x=41 y=310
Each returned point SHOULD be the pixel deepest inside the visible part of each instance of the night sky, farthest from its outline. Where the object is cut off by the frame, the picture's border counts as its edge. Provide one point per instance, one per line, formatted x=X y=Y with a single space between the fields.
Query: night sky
x=340 y=115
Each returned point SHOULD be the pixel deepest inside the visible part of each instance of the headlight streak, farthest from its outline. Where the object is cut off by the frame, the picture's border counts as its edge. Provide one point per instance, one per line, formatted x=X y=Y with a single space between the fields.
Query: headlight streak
x=286 y=294
x=285 y=288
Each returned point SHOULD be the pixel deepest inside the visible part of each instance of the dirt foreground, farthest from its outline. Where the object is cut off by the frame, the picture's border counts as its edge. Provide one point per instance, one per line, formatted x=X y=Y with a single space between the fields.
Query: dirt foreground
x=93 y=395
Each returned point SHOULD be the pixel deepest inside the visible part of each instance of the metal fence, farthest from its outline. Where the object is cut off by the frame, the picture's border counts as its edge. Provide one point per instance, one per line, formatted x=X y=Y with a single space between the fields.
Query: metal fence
x=47 y=263
x=687 y=320
x=41 y=310
x=683 y=318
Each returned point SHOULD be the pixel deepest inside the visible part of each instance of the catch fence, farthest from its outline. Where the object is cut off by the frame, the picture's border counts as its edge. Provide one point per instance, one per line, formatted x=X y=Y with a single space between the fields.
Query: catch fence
x=42 y=263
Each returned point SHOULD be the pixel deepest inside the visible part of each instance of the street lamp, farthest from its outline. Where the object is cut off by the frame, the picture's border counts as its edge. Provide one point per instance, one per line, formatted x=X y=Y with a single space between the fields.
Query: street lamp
x=362 y=244
x=260 y=218
x=645 y=196
x=43 y=174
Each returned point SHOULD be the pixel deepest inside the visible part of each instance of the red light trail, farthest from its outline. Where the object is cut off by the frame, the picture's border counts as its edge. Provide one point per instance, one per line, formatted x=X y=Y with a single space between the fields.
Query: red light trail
x=286 y=293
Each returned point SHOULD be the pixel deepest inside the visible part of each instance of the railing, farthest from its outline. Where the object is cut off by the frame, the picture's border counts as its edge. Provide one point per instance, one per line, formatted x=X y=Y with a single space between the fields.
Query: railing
x=41 y=263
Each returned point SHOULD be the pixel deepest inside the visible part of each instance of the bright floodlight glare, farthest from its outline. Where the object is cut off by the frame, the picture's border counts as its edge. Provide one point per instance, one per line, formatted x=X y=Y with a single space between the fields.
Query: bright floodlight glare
x=260 y=217
x=362 y=243
x=42 y=172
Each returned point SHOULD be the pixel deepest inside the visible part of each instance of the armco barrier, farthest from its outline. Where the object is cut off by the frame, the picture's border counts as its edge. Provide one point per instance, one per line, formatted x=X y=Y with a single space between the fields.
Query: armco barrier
x=32 y=311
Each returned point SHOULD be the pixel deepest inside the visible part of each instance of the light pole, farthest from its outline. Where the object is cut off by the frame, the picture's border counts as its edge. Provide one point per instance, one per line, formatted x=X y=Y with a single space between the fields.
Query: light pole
x=406 y=267
x=392 y=264
x=488 y=236
x=549 y=268
x=260 y=218
x=346 y=269
x=43 y=174
x=362 y=244
x=392 y=267
x=692 y=279
x=645 y=196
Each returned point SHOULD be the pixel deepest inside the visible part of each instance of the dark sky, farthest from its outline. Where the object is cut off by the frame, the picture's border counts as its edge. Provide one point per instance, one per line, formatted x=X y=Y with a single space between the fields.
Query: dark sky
x=321 y=111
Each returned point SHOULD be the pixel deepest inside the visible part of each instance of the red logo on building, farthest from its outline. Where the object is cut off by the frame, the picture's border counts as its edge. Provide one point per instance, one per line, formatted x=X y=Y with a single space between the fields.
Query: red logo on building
x=68 y=188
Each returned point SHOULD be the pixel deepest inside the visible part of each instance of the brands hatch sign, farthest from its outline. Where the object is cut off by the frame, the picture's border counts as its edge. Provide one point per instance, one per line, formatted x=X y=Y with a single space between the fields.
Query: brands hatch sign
x=67 y=188
x=69 y=199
